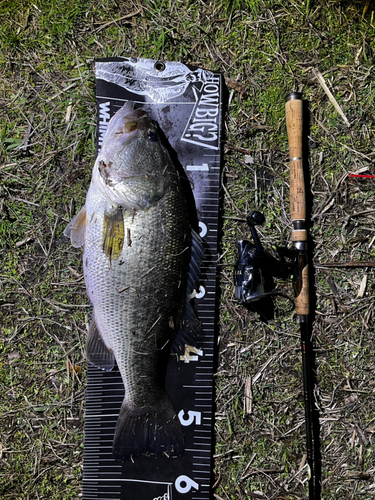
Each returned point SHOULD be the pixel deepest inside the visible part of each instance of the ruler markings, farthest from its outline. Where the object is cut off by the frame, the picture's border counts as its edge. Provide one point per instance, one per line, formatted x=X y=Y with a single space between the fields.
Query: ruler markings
x=111 y=466
x=98 y=415
x=196 y=450
x=207 y=205
x=100 y=422
x=194 y=386
x=105 y=460
x=128 y=480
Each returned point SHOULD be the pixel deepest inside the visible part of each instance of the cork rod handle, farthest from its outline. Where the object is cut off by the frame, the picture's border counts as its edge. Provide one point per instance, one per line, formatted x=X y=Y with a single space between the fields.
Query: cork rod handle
x=294 y=125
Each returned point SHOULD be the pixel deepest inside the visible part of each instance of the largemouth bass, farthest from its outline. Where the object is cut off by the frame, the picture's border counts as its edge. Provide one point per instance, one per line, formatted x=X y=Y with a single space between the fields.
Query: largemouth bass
x=138 y=249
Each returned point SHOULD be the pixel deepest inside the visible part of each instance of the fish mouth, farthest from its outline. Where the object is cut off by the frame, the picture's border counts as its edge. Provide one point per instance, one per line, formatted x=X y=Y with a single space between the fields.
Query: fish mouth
x=128 y=125
x=135 y=120
x=136 y=124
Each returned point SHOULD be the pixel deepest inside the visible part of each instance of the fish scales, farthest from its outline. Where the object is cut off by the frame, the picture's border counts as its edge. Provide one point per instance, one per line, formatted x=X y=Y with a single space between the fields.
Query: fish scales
x=135 y=296
x=138 y=245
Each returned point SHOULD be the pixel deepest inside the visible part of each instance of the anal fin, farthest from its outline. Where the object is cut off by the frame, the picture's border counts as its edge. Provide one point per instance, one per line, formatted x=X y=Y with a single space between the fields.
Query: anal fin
x=189 y=334
x=97 y=352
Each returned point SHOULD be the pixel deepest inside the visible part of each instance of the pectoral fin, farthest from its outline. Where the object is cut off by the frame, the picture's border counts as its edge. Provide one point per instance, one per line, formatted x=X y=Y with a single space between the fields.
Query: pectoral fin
x=97 y=352
x=76 y=229
x=113 y=234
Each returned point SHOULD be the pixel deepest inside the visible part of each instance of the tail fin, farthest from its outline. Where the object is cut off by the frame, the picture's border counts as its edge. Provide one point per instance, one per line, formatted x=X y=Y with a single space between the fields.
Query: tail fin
x=147 y=430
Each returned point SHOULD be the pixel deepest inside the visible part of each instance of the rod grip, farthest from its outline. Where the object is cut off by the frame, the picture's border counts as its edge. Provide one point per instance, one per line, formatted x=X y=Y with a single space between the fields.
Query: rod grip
x=294 y=125
x=302 y=302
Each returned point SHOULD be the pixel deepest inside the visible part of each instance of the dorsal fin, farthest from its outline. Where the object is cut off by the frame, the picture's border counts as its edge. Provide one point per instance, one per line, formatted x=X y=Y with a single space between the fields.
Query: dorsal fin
x=191 y=326
x=197 y=254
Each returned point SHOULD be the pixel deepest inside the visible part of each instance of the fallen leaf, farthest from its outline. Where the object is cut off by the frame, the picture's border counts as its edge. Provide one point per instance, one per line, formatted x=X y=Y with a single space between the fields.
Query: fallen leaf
x=74 y=371
x=239 y=87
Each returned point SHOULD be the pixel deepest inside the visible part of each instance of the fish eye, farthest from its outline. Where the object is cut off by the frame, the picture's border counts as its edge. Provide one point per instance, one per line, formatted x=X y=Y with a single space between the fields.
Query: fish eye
x=152 y=136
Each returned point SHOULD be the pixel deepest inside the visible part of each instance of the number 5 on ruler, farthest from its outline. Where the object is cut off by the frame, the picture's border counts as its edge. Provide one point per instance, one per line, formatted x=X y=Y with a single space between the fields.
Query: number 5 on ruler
x=193 y=415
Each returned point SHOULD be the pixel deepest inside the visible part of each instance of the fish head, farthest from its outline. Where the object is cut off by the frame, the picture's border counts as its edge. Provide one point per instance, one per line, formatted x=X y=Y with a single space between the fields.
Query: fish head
x=133 y=168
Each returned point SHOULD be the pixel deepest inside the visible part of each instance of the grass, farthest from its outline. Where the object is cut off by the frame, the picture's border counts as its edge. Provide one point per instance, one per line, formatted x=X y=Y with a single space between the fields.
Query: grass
x=47 y=131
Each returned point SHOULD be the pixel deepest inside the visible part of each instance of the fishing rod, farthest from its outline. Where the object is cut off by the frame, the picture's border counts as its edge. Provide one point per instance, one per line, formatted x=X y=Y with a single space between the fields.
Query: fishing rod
x=294 y=124
x=256 y=269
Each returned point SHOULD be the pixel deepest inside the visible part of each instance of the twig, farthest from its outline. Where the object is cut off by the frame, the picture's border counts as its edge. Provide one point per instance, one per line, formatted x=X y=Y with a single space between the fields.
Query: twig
x=131 y=14
x=26 y=201
x=322 y=82
x=62 y=91
x=326 y=202
x=358 y=214
x=217 y=480
x=364 y=263
x=23 y=242
x=52 y=236
x=27 y=135
x=248 y=395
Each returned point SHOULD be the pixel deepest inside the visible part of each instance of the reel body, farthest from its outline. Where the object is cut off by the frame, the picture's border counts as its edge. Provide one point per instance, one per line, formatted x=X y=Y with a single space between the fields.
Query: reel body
x=256 y=269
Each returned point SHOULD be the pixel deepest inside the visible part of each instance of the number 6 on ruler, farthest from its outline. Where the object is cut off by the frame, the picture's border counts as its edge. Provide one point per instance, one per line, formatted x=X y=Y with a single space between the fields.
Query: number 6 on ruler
x=189 y=483
x=193 y=415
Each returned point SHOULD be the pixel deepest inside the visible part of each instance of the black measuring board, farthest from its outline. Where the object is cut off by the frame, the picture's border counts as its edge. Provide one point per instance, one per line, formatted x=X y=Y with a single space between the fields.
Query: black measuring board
x=187 y=104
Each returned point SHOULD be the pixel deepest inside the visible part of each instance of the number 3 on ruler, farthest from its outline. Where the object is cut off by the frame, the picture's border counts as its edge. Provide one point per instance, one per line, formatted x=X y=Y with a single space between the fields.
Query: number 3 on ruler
x=193 y=415
x=189 y=483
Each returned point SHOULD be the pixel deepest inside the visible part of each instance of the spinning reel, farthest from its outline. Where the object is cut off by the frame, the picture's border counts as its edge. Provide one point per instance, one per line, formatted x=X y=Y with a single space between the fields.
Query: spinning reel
x=256 y=269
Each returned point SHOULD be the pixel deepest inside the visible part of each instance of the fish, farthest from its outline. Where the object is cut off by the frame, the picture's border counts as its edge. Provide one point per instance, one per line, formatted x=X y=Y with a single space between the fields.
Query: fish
x=141 y=262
